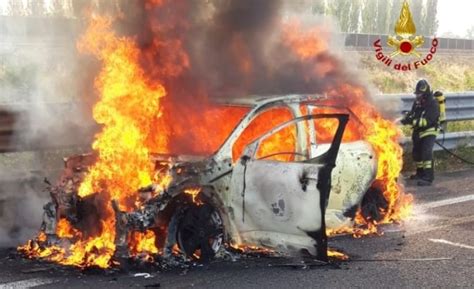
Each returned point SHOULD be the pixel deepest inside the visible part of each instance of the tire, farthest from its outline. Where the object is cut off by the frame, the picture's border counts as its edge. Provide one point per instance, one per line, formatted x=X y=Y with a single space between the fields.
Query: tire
x=200 y=232
x=372 y=203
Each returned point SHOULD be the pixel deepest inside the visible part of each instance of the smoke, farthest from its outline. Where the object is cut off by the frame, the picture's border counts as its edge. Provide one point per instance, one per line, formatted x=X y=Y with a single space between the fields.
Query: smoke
x=20 y=208
x=229 y=49
x=237 y=48
x=41 y=82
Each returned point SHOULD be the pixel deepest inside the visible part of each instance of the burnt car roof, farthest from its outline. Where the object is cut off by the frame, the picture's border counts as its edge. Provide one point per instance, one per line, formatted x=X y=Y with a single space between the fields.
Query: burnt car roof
x=257 y=100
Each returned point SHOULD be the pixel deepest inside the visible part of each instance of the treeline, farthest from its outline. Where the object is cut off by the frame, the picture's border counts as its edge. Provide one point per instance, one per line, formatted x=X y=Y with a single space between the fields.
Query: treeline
x=354 y=16
x=60 y=8
x=374 y=16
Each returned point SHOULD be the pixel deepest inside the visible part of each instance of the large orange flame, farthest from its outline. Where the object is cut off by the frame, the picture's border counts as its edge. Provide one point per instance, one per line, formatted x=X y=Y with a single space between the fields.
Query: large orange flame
x=128 y=104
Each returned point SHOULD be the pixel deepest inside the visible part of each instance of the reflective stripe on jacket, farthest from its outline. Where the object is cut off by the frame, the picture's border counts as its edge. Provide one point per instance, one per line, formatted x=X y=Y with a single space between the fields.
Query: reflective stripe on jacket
x=430 y=131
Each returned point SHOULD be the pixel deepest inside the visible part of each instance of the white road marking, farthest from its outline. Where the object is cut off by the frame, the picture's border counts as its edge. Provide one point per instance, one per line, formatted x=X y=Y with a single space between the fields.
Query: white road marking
x=447 y=202
x=26 y=283
x=442 y=241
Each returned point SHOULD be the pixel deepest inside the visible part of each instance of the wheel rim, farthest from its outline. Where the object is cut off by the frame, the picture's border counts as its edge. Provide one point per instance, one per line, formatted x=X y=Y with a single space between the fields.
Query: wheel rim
x=200 y=230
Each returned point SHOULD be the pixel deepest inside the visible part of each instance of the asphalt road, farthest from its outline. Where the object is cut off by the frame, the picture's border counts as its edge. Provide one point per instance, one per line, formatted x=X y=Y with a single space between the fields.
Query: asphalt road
x=433 y=249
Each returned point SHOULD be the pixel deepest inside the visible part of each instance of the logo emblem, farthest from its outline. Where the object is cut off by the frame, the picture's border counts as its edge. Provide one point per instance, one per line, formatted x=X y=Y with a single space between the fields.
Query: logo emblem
x=405 y=42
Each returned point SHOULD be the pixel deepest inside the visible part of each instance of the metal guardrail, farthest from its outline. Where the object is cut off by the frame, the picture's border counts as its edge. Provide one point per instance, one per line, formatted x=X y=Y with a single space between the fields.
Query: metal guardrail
x=459 y=106
x=451 y=140
x=365 y=41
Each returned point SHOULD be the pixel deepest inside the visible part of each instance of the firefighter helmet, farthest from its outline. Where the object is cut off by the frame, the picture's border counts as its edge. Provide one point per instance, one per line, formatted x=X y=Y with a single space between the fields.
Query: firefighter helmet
x=422 y=87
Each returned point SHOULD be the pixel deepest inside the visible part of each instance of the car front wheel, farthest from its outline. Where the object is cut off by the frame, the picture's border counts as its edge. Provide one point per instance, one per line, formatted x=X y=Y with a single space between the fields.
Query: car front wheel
x=200 y=232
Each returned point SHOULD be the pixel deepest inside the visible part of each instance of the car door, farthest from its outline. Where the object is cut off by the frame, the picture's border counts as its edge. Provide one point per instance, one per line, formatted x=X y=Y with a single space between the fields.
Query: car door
x=277 y=199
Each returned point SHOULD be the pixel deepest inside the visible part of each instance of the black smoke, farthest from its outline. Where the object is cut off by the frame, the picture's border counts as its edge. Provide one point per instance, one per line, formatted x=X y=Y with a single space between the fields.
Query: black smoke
x=235 y=48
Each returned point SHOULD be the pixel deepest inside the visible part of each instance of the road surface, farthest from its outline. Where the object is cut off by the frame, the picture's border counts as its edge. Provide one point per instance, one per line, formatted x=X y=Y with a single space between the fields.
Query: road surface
x=433 y=249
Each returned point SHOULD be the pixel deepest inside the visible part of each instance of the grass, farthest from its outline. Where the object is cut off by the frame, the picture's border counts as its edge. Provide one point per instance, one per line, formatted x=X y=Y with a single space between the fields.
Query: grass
x=447 y=162
x=447 y=73
x=464 y=125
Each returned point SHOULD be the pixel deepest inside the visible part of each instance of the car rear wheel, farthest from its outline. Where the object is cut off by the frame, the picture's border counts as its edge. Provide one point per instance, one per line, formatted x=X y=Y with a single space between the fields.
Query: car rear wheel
x=373 y=204
x=200 y=232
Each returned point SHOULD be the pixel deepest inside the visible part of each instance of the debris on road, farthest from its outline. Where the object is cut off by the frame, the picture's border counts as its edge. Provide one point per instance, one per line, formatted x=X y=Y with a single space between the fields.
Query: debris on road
x=144 y=275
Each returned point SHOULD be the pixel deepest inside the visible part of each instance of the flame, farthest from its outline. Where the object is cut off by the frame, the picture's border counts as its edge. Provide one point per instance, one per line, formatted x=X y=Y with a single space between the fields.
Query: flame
x=128 y=104
x=65 y=230
x=194 y=192
x=33 y=249
x=243 y=248
x=337 y=255
x=305 y=44
x=175 y=249
x=405 y=26
x=143 y=243
x=41 y=237
x=91 y=252
x=282 y=141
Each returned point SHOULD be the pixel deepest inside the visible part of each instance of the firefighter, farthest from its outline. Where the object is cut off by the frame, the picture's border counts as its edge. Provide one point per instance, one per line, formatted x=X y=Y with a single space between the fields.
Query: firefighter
x=424 y=119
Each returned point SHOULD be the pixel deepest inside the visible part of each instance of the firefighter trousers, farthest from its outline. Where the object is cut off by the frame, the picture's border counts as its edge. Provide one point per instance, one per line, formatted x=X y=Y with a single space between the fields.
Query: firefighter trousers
x=423 y=155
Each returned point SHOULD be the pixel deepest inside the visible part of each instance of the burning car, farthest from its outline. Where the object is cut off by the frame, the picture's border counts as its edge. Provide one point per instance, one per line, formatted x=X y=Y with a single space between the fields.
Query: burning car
x=171 y=174
x=277 y=190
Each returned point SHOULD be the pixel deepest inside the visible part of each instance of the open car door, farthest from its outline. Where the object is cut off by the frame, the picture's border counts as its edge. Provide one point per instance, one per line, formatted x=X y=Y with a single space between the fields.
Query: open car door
x=279 y=202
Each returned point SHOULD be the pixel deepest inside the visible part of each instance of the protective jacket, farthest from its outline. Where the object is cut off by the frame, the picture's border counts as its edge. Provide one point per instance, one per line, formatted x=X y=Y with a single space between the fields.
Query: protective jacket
x=424 y=116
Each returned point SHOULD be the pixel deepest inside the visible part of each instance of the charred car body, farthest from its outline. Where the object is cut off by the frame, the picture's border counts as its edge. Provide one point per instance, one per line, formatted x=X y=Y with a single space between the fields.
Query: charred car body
x=277 y=199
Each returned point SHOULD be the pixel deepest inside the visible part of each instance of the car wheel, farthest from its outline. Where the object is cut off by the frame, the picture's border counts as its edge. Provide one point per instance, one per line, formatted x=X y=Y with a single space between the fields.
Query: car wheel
x=373 y=204
x=200 y=232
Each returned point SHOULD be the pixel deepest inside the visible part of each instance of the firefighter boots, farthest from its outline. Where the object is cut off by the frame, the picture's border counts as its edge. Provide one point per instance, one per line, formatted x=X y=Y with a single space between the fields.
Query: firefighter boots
x=417 y=175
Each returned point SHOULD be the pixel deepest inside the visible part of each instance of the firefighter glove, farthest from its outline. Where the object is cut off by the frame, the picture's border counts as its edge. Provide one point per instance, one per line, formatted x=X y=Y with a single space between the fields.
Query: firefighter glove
x=408 y=119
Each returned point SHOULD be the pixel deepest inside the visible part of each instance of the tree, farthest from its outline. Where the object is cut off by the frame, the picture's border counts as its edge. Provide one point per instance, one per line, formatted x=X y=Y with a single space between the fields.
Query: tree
x=37 y=7
x=470 y=33
x=68 y=8
x=369 y=14
x=382 y=16
x=416 y=9
x=341 y=10
x=57 y=8
x=80 y=6
x=430 y=21
x=15 y=8
x=318 y=7
x=354 y=16
x=377 y=16
x=395 y=10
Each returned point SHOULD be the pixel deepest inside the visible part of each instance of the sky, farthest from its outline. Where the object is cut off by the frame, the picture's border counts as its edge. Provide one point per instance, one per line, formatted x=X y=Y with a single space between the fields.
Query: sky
x=455 y=16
